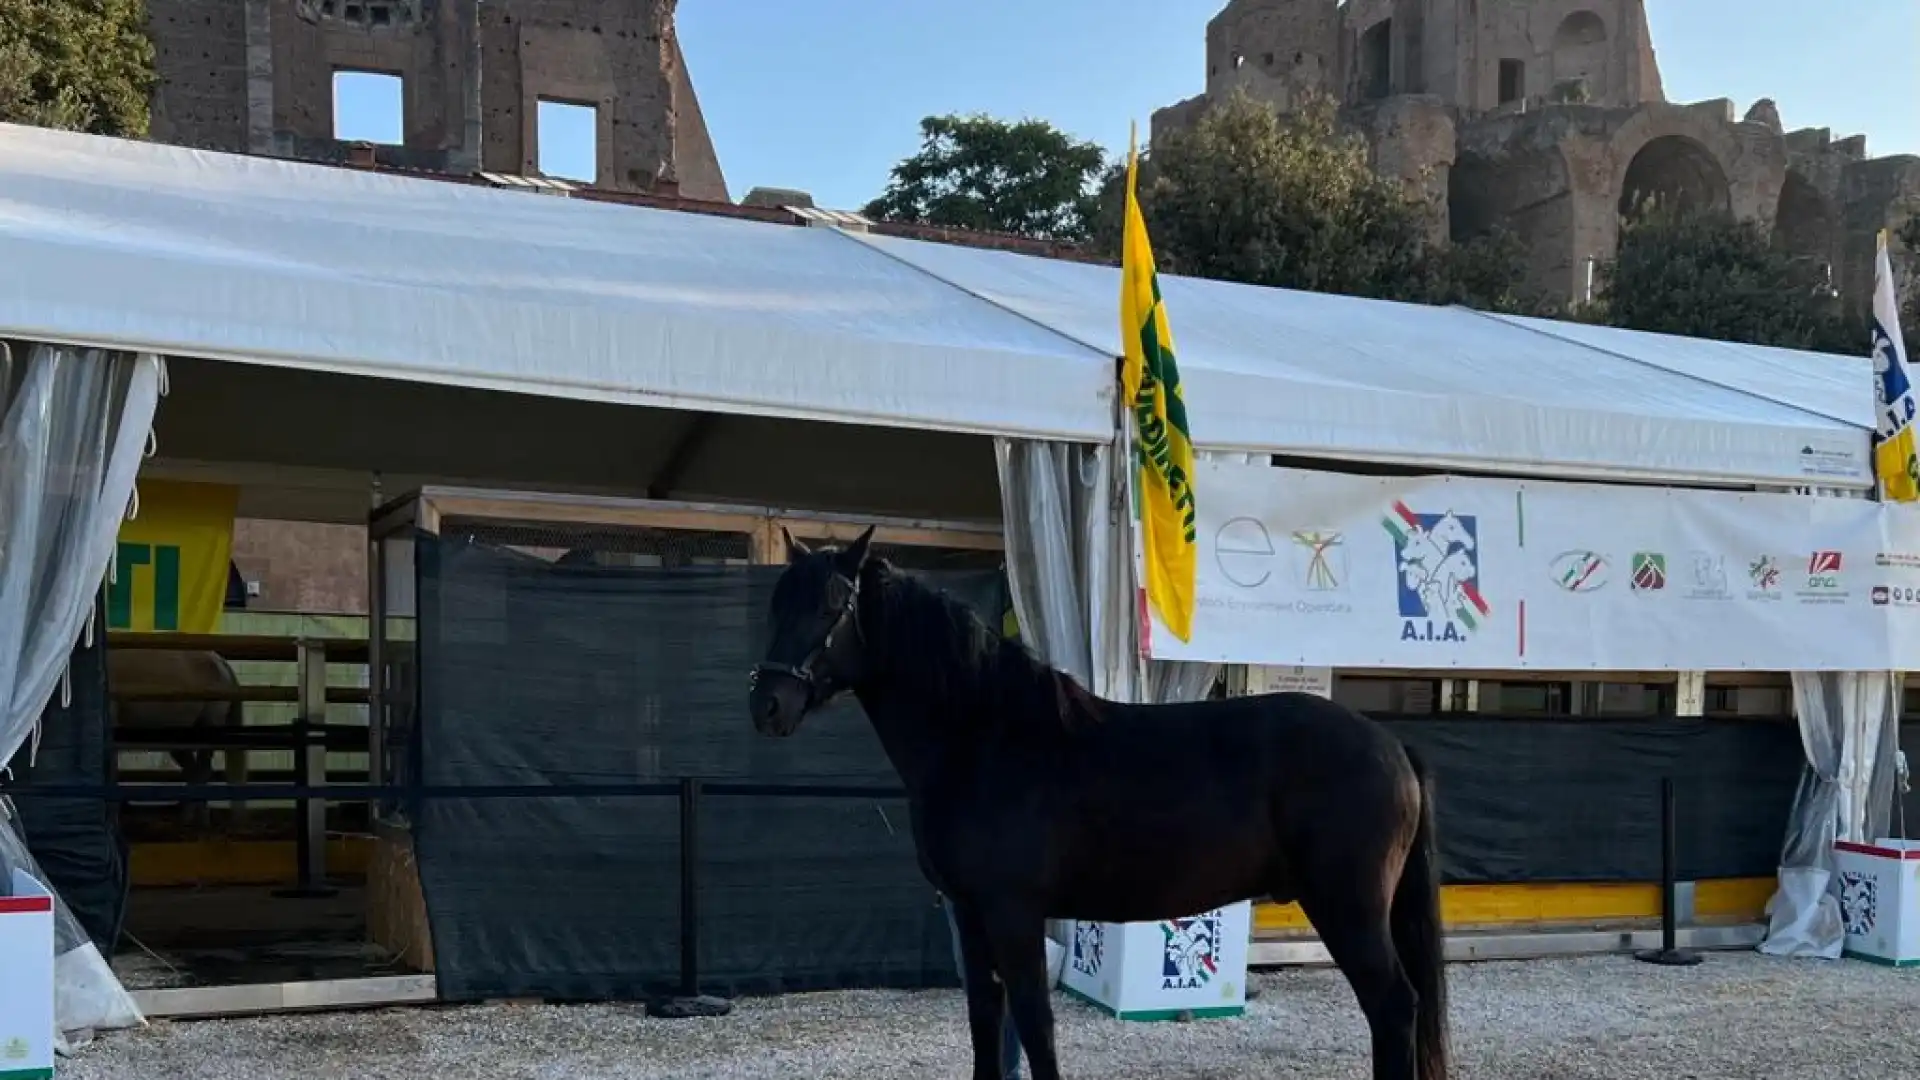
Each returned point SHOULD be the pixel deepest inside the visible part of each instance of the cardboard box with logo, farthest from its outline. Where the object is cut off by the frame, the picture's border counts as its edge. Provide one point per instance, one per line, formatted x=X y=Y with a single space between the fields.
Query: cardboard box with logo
x=26 y=979
x=1880 y=900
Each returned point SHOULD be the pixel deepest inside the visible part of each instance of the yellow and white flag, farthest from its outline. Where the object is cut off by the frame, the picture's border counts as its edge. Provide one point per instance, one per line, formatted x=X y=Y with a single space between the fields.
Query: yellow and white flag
x=1163 y=444
x=1894 y=459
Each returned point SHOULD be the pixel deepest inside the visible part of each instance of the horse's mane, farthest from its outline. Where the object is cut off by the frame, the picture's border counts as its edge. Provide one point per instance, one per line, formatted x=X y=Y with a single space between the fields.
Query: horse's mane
x=943 y=649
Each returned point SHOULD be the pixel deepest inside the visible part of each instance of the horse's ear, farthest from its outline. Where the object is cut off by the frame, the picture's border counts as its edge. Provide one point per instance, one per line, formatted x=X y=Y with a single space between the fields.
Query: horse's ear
x=855 y=556
x=795 y=549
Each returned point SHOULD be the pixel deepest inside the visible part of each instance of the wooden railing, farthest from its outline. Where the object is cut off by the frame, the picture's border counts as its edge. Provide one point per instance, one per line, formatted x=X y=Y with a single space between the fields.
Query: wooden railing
x=309 y=736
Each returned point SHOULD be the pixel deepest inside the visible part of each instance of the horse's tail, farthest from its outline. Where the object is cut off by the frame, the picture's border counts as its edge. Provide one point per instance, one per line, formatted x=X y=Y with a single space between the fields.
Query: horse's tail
x=1417 y=935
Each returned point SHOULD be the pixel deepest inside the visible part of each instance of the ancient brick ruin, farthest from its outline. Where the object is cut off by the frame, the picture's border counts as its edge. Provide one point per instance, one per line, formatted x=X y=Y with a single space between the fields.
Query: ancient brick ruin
x=256 y=76
x=1549 y=116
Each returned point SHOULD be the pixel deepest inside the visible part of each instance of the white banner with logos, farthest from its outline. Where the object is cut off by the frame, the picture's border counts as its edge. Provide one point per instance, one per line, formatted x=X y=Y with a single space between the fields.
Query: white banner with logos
x=1332 y=570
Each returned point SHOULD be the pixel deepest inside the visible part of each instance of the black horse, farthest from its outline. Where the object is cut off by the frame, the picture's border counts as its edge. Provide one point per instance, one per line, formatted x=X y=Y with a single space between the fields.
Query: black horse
x=1033 y=799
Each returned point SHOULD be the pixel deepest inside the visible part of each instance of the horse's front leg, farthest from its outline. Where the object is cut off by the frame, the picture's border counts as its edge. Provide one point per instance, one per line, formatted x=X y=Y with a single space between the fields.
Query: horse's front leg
x=986 y=999
x=1020 y=955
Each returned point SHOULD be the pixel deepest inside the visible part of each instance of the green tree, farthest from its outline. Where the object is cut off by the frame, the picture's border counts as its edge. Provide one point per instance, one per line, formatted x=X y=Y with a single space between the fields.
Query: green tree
x=1705 y=274
x=975 y=172
x=1291 y=201
x=82 y=65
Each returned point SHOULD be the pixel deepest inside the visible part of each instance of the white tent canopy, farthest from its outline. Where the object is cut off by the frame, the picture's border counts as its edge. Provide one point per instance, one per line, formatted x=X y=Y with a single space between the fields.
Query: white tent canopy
x=1286 y=372
x=133 y=244
x=193 y=253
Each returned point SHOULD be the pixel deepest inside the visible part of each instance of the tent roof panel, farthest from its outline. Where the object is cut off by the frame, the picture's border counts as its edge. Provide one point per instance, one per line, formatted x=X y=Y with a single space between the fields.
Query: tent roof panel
x=261 y=260
x=1282 y=371
x=1836 y=387
x=254 y=259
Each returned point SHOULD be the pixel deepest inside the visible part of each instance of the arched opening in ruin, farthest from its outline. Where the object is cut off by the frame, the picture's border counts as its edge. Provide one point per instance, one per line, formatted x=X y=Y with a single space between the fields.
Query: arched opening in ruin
x=1580 y=54
x=1580 y=28
x=1805 y=224
x=1675 y=172
x=1376 y=61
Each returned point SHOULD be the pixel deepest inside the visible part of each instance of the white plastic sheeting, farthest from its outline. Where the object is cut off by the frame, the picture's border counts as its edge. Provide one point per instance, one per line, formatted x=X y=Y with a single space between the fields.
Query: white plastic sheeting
x=75 y=427
x=1285 y=372
x=1061 y=535
x=144 y=246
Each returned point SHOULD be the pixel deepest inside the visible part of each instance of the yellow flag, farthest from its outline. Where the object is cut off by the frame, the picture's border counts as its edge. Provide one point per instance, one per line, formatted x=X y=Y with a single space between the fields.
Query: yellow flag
x=1894 y=460
x=170 y=569
x=1163 y=444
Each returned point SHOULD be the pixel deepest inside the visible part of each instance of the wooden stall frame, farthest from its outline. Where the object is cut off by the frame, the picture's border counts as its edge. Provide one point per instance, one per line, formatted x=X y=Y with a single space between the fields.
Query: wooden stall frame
x=311 y=695
x=429 y=507
x=397 y=915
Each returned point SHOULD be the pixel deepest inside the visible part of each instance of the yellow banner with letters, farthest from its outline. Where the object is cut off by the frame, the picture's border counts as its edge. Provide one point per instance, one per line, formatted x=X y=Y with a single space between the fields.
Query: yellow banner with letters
x=1163 y=443
x=170 y=569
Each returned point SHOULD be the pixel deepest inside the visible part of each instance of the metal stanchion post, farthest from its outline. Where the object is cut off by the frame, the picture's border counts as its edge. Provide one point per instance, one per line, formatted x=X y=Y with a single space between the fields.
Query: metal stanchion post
x=310 y=770
x=690 y=1001
x=1669 y=954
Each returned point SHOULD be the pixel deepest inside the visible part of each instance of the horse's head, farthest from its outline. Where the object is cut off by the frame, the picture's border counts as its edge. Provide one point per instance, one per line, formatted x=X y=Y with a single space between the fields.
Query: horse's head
x=815 y=652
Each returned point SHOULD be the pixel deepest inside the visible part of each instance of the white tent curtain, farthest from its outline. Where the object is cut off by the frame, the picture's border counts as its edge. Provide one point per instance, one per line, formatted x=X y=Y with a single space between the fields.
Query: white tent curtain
x=1057 y=522
x=1069 y=551
x=1849 y=729
x=76 y=424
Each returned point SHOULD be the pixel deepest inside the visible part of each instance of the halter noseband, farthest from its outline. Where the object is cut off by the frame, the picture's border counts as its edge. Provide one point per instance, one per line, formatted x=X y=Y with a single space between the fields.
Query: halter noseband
x=803 y=671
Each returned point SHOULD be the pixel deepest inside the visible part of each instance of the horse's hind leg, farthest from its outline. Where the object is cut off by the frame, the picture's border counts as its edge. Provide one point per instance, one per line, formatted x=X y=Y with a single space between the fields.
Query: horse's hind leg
x=235 y=758
x=1355 y=928
x=196 y=769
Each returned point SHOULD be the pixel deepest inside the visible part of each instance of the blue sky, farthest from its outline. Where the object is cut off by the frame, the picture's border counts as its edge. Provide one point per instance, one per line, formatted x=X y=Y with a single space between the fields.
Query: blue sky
x=825 y=95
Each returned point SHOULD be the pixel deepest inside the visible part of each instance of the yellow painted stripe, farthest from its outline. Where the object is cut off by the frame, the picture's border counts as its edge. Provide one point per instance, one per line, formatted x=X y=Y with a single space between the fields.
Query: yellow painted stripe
x=1495 y=905
x=248 y=862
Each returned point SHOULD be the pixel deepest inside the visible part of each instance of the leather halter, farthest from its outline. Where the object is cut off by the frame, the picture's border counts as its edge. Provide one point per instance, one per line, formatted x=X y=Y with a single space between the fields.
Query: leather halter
x=803 y=671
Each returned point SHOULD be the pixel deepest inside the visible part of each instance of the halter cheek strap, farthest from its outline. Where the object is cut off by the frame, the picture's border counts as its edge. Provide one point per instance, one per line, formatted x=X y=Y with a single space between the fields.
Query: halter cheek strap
x=817 y=693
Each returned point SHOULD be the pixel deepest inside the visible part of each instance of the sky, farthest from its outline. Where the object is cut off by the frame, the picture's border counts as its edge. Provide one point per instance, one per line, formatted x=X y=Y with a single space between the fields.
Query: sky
x=826 y=95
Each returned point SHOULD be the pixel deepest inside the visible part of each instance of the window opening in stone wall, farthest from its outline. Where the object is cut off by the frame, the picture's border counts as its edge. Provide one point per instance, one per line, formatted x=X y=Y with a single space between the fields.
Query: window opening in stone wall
x=1376 y=61
x=1513 y=80
x=568 y=141
x=371 y=14
x=369 y=106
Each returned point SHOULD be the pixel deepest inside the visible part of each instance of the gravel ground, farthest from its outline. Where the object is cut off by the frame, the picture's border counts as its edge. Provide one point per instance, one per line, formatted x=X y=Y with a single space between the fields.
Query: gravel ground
x=1739 y=1015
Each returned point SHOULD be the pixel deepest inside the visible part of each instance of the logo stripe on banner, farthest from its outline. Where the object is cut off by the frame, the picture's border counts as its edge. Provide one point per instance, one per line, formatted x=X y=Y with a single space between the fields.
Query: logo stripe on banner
x=1319 y=569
